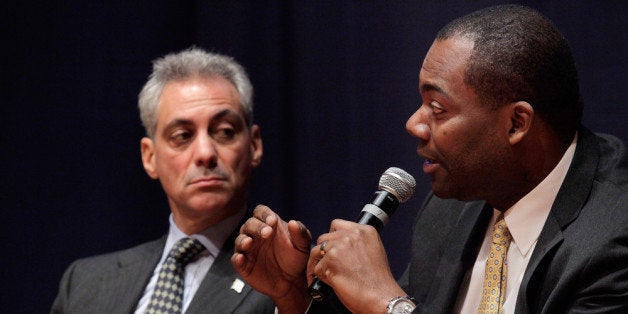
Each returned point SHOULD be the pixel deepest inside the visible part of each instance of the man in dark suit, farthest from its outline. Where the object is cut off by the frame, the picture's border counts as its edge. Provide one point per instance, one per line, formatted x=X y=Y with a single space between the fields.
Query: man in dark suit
x=202 y=146
x=528 y=211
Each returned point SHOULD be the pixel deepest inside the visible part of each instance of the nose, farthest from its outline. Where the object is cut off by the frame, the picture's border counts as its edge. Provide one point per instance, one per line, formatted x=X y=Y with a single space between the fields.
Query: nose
x=417 y=125
x=205 y=153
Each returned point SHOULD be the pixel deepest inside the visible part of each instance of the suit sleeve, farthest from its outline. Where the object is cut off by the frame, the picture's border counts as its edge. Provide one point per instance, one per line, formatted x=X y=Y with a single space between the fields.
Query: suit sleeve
x=60 y=302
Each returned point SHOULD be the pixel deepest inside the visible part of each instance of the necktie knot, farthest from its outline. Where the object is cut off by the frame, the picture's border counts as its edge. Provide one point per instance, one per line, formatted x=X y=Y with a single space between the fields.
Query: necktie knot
x=185 y=250
x=501 y=234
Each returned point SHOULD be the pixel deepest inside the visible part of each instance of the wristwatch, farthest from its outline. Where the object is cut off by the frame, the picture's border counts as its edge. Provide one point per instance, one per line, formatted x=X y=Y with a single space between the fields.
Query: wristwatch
x=400 y=305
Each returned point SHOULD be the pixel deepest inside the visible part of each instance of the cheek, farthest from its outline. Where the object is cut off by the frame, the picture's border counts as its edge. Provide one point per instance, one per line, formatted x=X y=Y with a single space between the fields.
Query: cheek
x=462 y=143
x=237 y=158
x=450 y=136
x=482 y=151
x=171 y=165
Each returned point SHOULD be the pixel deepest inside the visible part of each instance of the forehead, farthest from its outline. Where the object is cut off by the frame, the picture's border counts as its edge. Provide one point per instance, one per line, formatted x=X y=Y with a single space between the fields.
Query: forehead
x=445 y=64
x=194 y=96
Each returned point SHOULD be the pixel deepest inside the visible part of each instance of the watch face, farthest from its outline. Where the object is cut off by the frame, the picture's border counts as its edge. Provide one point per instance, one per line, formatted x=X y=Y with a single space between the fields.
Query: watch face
x=406 y=308
x=401 y=306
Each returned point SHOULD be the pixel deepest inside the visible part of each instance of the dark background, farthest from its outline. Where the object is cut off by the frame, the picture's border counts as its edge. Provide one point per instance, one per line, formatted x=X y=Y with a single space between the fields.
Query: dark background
x=335 y=82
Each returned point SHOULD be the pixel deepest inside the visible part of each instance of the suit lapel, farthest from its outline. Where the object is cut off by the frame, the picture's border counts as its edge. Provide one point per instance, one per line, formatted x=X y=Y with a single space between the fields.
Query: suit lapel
x=461 y=247
x=570 y=199
x=127 y=284
x=215 y=291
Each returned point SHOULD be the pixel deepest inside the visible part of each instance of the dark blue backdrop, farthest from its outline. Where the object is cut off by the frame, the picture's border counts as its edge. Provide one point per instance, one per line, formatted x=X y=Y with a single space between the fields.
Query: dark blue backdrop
x=335 y=82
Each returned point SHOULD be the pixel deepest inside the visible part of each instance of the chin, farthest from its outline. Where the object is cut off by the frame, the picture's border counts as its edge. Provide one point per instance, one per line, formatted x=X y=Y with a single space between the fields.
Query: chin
x=210 y=206
x=446 y=192
x=440 y=190
x=208 y=203
x=442 y=194
x=464 y=197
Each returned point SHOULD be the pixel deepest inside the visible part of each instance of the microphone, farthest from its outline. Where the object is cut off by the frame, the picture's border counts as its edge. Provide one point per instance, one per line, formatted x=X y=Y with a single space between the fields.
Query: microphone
x=395 y=186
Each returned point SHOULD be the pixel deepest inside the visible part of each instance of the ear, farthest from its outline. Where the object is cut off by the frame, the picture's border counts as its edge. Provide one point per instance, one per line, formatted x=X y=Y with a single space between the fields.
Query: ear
x=521 y=121
x=257 y=149
x=147 y=147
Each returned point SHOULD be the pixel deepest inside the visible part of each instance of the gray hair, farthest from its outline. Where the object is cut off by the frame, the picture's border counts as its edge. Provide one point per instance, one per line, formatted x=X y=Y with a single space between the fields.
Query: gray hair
x=190 y=63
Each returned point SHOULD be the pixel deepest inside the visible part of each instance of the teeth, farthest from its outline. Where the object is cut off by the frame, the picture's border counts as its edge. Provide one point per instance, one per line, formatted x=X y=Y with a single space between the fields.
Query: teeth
x=428 y=161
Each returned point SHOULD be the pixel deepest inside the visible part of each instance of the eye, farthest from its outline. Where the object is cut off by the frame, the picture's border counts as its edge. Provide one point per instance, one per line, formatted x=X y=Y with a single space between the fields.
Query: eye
x=224 y=133
x=436 y=107
x=180 y=137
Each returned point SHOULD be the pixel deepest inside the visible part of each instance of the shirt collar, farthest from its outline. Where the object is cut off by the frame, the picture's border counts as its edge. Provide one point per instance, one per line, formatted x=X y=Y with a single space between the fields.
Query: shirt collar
x=213 y=238
x=525 y=219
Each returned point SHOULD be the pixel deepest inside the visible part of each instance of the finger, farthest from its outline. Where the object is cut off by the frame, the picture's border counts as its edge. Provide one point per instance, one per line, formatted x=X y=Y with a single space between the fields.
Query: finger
x=324 y=237
x=322 y=248
x=340 y=224
x=313 y=261
x=320 y=265
x=243 y=243
x=300 y=236
x=241 y=264
x=265 y=214
x=255 y=228
x=237 y=260
x=316 y=251
x=318 y=254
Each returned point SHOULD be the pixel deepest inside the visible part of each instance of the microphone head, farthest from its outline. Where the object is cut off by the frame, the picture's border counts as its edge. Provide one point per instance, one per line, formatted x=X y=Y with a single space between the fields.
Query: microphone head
x=398 y=182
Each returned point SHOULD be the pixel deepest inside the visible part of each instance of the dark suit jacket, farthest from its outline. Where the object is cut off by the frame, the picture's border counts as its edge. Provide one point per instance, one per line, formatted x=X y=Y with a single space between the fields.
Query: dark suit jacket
x=580 y=262
x=114 y=283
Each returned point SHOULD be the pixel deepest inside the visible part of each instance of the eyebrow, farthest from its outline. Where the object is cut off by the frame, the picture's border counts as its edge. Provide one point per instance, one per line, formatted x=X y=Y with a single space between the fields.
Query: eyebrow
x=226 y=113
x=427 y=87
x=177 y=122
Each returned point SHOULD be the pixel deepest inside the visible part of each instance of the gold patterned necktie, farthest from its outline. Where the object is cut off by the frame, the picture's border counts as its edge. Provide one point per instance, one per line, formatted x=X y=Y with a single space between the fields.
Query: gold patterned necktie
x=168 y=294
x=496 y=271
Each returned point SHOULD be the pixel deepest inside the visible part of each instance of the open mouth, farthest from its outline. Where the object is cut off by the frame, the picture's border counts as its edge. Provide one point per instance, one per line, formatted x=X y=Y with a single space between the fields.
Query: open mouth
x=430 y=166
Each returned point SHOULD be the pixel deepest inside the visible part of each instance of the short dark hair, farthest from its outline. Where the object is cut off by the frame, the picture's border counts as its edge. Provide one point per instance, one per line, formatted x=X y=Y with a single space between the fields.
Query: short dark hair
x=518 y=54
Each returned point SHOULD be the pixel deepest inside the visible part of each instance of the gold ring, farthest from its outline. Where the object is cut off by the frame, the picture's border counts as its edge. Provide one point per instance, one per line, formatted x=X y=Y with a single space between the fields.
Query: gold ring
x=323 y=245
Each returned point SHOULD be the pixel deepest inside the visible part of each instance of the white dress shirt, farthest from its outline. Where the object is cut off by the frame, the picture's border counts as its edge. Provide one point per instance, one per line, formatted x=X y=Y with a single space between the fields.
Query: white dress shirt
x=212 y=238
x=525 y=220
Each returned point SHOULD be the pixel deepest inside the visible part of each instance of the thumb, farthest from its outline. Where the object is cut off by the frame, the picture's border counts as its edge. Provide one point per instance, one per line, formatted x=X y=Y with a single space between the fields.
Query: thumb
x=300 y=236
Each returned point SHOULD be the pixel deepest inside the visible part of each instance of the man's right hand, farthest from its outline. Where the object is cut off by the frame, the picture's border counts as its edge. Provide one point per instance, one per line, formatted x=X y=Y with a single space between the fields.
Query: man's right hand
x=272 y=255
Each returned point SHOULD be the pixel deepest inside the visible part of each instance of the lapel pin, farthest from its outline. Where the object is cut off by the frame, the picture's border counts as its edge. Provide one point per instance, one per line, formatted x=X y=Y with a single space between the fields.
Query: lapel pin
x=237 y=285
